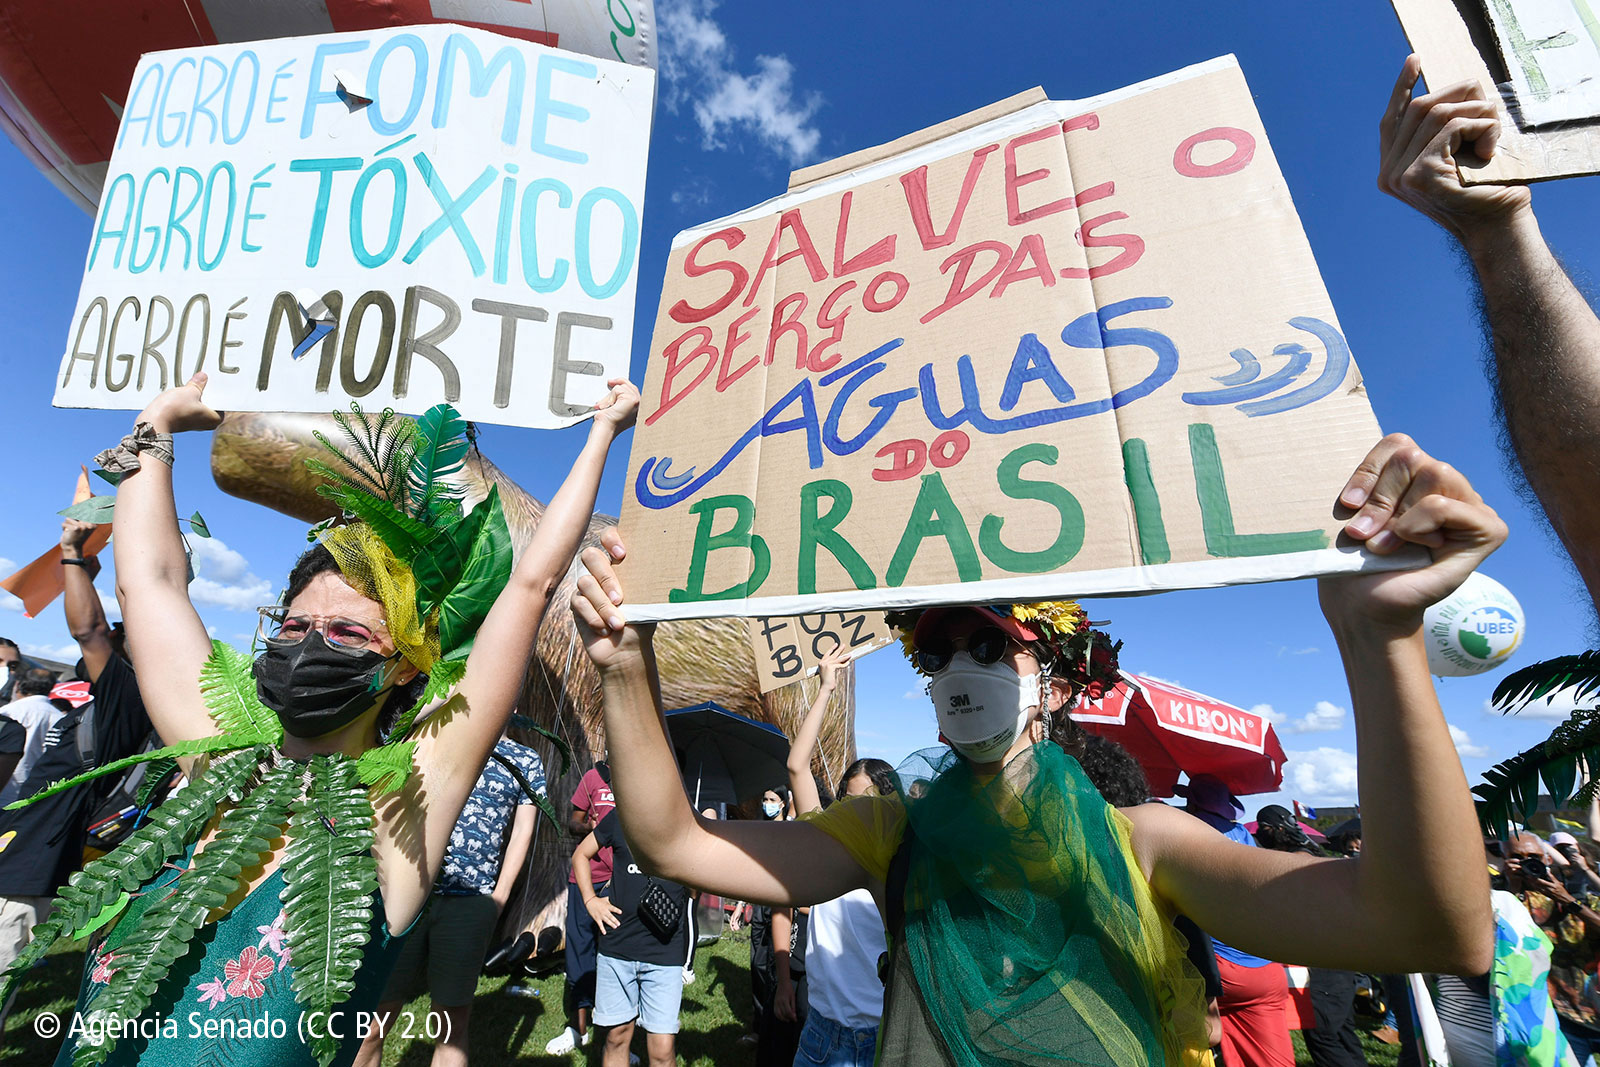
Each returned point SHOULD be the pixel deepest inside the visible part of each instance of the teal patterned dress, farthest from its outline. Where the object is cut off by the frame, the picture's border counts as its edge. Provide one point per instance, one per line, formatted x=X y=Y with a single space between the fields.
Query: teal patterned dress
x=228 y=1001
x=1527 y=1032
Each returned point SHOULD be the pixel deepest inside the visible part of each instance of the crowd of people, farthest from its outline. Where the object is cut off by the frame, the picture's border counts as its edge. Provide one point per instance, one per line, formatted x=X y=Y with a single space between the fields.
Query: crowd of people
x=1012 y=895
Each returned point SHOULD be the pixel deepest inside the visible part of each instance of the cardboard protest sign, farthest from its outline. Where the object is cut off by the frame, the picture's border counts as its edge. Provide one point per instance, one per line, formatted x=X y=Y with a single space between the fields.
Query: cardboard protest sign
x=789 y=649
x=1547 y=54
x=1551 y=53
x=398 y=217
x=39 y=583
x=1056 y=348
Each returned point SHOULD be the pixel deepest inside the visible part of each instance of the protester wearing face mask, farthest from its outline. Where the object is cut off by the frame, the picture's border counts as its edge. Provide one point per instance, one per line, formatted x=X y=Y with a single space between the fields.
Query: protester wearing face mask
x=341 y=658
x=1028 y=918
x=771 y=947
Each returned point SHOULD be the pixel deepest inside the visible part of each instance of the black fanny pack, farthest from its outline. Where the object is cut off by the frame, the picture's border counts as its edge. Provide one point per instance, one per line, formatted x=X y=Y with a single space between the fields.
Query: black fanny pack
x=658 y=911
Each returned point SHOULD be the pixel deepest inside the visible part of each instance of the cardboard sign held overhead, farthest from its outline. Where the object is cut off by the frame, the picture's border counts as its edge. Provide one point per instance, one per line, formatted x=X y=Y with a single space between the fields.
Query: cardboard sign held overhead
x=1054 y=348
x=790 y=649
x=1547 y=54
x=400 y=217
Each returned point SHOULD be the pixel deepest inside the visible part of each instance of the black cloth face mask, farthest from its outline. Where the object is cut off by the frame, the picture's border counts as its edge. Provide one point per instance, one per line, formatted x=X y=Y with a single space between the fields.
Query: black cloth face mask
x=315 y=688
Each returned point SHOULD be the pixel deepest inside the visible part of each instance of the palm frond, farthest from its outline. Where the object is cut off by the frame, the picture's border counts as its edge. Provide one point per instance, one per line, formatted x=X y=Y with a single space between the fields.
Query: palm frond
x=563 y=749
x=169 y=830
x=440 y=450
x=382 y=447
x=156 y=773
x=386 y=767
x=329 y=877
x=1510 y=789
x=164 y=931
x=193 y=747
x=404 y=535
x=1579 y=673
x=228 y=683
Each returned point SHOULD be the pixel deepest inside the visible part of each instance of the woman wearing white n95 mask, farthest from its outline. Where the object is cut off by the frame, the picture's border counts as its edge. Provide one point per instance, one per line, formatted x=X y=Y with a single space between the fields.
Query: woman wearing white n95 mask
x=1029 y=920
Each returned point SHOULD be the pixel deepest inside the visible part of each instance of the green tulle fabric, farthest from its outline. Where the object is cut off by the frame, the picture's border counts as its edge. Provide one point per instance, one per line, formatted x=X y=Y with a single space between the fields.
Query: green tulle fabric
x=1029 y=928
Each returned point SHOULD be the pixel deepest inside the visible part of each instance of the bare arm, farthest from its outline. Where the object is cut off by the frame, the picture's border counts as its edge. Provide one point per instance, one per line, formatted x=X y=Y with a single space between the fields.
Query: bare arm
x=601 y=910
x=802 y=786
x=86 y=618
x=521 y=836
x=1545 y=336
x=1417 y=898
x=456 y=745
x=780 y=863
x=782 y=937
x=167 y=642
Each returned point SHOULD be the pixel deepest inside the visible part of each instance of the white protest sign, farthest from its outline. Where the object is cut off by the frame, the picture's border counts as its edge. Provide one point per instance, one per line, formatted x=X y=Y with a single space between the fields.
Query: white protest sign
x=398 y=217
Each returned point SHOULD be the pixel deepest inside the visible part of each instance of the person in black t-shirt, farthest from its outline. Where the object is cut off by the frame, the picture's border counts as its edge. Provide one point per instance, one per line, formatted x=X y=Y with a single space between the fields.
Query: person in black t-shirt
x=13 y=739
x=41 y=845
x=639 y=970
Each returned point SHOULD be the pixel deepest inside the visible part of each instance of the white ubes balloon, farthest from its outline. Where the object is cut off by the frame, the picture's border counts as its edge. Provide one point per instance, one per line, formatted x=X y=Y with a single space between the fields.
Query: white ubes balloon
x=1474 y=629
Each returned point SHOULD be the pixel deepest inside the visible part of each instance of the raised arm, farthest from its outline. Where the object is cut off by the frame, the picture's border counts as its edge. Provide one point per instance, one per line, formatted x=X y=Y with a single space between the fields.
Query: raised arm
x=778 y=863
x=517 y=841
x=86 y=618
x=1545 y=336
x=166 y=640
x=1417 y=898
x=456 y=748
x=802 y=785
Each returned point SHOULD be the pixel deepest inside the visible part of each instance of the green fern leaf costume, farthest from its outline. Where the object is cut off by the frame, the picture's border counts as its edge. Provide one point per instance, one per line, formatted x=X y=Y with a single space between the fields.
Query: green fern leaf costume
x=404 y=541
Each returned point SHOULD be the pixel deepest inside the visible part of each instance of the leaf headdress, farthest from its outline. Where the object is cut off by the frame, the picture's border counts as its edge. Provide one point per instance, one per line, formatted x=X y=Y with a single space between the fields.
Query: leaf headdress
x=403 y=538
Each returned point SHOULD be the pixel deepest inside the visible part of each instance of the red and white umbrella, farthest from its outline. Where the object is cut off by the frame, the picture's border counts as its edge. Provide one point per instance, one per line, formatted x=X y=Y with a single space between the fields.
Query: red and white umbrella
x=1170 y=729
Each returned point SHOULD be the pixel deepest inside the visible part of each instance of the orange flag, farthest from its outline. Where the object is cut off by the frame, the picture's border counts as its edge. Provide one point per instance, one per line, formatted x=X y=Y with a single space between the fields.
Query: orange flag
x=41 y=581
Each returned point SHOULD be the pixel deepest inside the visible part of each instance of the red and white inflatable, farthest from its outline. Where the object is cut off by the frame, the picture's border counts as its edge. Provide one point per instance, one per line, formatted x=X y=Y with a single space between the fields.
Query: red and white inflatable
x=65 y=65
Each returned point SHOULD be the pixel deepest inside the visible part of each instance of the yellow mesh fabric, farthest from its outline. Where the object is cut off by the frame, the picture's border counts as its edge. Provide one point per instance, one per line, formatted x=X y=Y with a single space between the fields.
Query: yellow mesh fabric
x=869 y=827
x=373 y=571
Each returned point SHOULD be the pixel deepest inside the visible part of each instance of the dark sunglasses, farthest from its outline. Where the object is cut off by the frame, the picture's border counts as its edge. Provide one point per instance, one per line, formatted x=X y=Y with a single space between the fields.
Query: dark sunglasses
x=985 y=646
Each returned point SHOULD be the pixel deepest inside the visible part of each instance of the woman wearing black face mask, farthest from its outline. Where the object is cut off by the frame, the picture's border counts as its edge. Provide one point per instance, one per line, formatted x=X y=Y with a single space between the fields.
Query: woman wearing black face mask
x=341 y=659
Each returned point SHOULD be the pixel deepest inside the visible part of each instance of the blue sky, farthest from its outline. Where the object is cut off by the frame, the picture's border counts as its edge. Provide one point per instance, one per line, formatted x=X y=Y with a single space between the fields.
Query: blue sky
x=746 y=96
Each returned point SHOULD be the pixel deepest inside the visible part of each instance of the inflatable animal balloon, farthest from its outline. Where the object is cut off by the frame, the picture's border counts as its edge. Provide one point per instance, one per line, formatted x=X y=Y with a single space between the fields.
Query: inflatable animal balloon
x=261 y=458
x=65 y=65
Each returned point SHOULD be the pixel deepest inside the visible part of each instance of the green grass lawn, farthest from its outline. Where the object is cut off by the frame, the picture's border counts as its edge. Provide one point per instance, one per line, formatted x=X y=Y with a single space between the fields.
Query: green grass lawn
x=507 y=1028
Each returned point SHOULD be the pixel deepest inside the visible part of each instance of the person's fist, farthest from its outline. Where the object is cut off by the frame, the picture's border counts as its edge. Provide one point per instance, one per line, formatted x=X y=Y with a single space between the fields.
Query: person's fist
x=1422 y=141
x=181 y=409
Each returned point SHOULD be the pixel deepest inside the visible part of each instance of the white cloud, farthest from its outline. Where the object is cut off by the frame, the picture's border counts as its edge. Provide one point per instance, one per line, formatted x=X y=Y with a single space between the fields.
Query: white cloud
x=1464 y=746
x=1325 y=716
x=7 y=601
x=1285 y=650
x=1321 y=776
x=915 y=694
x=698 y=64
x=67 y=653
x=223 y=577
x=1268 y=712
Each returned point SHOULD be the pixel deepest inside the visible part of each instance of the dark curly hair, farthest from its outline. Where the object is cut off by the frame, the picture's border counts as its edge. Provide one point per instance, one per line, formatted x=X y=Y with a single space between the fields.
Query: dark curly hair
x=1114 y=771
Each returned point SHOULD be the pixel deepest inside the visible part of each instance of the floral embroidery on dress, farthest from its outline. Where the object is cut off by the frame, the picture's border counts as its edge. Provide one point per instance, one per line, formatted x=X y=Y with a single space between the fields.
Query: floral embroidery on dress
x=247 y=973
x=275 y=938
x=103 y=969
x=213 y=993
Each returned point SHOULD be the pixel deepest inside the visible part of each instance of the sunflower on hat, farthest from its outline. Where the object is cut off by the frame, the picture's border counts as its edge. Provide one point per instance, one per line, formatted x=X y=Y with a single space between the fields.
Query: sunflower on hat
x=1084 y=657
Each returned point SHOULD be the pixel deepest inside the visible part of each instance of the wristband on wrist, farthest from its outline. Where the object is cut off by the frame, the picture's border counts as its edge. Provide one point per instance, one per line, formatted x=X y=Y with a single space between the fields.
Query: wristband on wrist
x=78 y=561
x=124 y=458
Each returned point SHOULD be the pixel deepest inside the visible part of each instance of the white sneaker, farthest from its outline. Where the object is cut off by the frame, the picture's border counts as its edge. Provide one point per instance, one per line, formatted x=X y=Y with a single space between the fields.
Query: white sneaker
x=564 y=1042
x=587 y=1034
x=688 y=976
